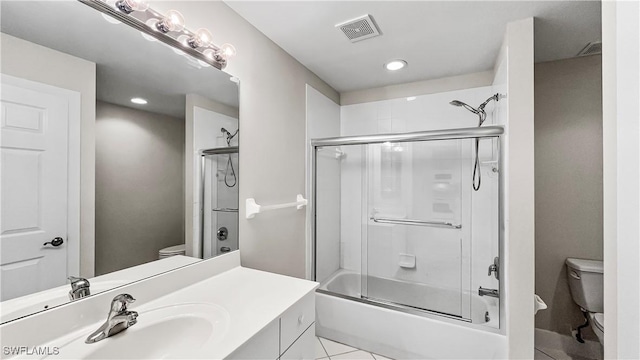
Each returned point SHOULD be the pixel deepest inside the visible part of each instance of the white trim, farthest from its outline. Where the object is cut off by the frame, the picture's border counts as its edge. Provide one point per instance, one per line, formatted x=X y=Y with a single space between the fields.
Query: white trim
x=621 y=164
x=73 y=163
x=308 y=251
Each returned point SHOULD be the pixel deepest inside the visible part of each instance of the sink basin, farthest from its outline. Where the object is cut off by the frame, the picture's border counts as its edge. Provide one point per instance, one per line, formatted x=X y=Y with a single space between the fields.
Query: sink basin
x=44 y=300
x=170 y=332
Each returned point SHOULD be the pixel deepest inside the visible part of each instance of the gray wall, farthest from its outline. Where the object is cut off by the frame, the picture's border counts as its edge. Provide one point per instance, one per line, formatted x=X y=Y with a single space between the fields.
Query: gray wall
x=272 y=134
x=568 y=165
x=139 y=186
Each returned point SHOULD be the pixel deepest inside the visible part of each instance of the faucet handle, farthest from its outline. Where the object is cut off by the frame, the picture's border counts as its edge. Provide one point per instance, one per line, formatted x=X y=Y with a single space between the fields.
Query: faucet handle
x=120 y=302
x=78 y=282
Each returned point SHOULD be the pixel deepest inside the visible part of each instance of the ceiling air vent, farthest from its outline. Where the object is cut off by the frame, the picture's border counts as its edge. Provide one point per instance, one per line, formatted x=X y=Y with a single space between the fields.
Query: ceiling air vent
x=360 y=28
x=592 y=48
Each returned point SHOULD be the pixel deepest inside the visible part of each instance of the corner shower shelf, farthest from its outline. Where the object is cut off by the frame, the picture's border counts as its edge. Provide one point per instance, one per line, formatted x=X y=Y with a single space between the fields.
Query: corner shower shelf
x=252 y=208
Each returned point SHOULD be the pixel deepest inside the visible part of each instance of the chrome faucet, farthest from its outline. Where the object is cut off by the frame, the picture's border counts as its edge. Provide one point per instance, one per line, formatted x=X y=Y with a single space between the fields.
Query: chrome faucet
x=119 y=319
x=79 y=288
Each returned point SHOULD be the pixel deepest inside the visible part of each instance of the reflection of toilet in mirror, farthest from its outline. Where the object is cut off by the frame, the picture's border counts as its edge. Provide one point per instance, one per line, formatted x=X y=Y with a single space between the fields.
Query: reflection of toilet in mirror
x=171 y=251
x=587 y=290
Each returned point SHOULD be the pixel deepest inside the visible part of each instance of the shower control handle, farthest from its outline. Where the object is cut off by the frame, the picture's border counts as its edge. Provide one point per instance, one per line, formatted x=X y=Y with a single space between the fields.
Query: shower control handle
x=222 y=233
x=495 y=268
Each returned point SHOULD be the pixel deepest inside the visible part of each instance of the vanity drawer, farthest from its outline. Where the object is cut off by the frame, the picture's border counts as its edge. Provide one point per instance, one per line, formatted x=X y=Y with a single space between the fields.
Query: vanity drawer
x=304 y=347
x=296 y=320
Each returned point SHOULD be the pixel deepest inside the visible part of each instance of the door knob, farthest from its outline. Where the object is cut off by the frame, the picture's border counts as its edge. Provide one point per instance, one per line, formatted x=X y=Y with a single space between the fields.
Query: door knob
x=57 y=241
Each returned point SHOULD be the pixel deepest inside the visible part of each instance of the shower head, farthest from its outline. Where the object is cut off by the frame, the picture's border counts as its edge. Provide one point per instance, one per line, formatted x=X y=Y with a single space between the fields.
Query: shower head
x=468 y=107
x=229 y=134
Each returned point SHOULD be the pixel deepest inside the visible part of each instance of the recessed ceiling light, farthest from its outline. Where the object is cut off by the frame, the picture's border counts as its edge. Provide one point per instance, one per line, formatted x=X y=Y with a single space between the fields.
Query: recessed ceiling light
x=139 y=101
x=411 y=98
x=395 y=65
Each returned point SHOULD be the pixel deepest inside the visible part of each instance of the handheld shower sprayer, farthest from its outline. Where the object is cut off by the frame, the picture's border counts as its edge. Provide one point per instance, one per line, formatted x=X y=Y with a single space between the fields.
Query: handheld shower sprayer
x=229 y=135
x=482 y=116
x=229 y=162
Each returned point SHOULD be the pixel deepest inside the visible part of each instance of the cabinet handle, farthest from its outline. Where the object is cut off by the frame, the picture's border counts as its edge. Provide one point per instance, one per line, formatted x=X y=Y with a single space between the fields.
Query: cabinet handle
x=300 y=319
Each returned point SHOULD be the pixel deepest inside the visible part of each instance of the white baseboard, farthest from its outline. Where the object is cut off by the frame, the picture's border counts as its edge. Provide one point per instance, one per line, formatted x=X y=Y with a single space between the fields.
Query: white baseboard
x=546 y=339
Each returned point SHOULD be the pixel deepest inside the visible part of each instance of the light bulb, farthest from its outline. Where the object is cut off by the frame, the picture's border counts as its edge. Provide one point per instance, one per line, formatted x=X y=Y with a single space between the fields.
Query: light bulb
x=202 y=37
x=128 y=6
x=173 y=21
x=210 y=53
x=227 y=51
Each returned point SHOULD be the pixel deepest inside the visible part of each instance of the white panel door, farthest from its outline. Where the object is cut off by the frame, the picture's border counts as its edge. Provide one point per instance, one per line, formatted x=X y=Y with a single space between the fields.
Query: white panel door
x=33 y=190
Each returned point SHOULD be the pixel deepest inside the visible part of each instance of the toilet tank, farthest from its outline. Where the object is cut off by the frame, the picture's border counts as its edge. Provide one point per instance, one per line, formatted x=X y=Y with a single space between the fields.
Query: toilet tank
x=586 y=283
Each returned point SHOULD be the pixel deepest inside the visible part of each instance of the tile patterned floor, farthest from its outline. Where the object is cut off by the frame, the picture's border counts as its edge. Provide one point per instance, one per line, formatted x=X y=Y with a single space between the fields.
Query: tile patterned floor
x=331 y=350
x=554 y=354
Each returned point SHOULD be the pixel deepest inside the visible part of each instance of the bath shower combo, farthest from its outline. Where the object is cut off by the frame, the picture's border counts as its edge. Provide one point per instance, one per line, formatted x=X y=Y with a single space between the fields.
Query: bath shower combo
x=396 y=226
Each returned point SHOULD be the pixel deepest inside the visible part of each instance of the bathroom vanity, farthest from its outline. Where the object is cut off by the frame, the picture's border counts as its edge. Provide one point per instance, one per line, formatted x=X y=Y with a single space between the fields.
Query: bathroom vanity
x=214 y=309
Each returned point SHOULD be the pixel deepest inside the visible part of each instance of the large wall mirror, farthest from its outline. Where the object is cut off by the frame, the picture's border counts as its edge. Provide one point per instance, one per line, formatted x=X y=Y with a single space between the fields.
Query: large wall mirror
x=89 y=100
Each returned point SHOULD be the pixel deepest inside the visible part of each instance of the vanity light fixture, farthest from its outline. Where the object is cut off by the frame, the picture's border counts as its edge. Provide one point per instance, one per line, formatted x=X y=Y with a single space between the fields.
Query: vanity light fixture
x=129 y=6
x=226 y=52
x=201 y=38
x=411 y=98
x=168 y=28
x=139 y=101
x=173 y=21
x=395 y=65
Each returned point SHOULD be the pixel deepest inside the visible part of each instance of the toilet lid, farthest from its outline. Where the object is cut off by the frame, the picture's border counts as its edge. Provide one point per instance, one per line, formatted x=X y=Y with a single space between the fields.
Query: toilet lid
x=177 y=249
x=598 y=320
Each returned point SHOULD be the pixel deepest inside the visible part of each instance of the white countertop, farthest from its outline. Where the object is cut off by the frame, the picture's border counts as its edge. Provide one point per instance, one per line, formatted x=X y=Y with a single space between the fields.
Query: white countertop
x=252 y=299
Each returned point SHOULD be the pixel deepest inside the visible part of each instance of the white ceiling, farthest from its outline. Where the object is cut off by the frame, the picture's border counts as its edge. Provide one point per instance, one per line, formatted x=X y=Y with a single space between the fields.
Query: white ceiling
x=437 y=38
x=127 y=65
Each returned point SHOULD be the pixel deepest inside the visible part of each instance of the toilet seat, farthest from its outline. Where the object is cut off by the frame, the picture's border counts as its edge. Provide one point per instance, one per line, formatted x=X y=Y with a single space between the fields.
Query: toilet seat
x=598 y=321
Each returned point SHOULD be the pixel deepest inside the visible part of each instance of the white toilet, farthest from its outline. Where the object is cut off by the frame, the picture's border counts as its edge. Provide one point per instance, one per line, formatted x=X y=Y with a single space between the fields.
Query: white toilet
x=171 y=251
x=587 y=289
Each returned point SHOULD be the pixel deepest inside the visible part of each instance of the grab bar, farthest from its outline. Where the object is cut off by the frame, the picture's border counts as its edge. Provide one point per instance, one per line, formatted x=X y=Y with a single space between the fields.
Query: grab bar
x=442 y=224
x=251 y=208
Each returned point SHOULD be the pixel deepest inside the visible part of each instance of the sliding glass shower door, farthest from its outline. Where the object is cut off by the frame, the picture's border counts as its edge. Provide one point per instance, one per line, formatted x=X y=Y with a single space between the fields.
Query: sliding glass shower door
x=398 y=223
x=416 y=250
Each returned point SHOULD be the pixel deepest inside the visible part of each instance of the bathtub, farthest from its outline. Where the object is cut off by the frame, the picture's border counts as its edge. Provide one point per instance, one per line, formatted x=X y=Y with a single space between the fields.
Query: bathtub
x=380 y=328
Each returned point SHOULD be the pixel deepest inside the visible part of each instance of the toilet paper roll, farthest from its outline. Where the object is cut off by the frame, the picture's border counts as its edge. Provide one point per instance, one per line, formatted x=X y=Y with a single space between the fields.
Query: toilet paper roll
x=538 y=304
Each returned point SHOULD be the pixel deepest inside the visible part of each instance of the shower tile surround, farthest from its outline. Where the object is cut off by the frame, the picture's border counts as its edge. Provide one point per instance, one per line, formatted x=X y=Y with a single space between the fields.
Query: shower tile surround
x=426 y=112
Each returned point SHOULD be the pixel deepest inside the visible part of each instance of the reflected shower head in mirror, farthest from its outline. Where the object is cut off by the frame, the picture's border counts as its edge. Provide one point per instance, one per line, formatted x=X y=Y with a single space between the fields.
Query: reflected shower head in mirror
x=229 y=135
x=230 y=169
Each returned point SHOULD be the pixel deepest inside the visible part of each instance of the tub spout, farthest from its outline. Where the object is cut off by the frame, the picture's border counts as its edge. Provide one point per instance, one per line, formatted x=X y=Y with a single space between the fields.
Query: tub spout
x=488 y=292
